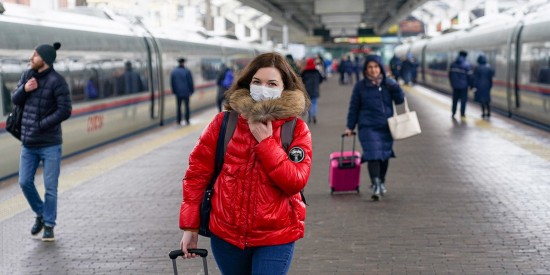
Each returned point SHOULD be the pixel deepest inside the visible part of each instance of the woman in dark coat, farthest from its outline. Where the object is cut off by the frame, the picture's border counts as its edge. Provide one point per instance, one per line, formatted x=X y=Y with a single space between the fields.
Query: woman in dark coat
x=370 y=107
x=483 y=82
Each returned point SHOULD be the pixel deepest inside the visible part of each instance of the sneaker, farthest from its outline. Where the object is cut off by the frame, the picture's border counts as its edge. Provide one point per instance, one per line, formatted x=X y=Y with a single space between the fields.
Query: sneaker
x=48 y=234
x=38 y=225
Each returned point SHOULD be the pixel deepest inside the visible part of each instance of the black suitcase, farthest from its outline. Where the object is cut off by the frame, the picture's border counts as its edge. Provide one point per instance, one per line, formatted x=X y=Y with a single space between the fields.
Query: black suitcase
x=177 y=253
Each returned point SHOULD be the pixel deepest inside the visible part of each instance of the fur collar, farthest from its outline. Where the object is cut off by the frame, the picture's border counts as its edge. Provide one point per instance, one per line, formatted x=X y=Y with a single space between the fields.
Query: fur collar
x=290 y=104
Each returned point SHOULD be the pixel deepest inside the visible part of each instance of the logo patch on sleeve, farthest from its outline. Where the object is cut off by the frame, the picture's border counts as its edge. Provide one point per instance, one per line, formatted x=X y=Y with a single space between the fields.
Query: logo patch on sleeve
x=296 y=154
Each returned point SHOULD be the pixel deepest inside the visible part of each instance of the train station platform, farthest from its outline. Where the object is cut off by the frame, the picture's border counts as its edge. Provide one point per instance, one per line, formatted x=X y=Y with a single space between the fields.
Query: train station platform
x=465 y=197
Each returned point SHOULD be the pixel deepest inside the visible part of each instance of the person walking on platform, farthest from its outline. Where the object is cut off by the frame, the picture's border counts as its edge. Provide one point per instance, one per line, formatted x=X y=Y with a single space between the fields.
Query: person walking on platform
x=407 y=69
x=369 y=109
x=483 y=82
x=224 y=81
x=460 y=76
x=257 y=209
x=395 y=67
x=183 y=87
x=47 y=102
x=312 y=78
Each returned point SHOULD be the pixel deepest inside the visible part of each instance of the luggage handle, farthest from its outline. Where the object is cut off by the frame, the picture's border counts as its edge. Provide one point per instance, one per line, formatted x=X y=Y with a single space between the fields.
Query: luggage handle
x=343 y=137
x=353 y=157
x=178 y=252
x=199 y=251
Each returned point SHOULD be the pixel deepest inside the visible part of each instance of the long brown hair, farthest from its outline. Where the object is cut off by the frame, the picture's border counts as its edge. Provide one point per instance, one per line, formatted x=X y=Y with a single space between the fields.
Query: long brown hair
x=291 y=81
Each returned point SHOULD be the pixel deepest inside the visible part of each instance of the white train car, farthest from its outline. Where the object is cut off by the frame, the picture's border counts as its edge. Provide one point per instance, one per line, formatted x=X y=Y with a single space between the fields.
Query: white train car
x=518 y=50
x=96 y=57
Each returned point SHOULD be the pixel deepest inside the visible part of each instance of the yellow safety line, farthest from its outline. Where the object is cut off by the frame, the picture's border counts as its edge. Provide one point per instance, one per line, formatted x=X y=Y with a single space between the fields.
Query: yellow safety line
x=537 y=148
x=18 y=203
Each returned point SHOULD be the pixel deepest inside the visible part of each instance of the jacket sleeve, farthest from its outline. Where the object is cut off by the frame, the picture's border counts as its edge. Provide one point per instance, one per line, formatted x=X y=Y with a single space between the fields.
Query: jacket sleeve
x=172 y=81
x=19 y=95
x=396 y=92
x=63 y=106
x=290 y=176
x=354 y=106
x=199 y=172
x=190 y=82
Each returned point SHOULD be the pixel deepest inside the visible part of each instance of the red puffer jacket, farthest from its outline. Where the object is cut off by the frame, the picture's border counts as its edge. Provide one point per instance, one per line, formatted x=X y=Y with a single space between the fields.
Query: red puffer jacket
x=256 y=198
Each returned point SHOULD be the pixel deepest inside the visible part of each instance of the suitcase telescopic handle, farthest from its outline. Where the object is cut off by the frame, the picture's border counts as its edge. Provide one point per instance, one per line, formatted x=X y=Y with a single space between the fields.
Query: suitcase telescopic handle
x=199 y=251
x=345 y=135
x=342 y=146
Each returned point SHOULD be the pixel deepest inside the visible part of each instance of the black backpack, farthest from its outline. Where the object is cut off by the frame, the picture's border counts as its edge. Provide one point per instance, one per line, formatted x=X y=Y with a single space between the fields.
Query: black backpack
x=13 y=122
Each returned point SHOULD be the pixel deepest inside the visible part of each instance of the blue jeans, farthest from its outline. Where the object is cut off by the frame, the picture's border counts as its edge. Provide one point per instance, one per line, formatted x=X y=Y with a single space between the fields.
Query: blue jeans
x=313 y=108
x=264 y=260
x=28 y=163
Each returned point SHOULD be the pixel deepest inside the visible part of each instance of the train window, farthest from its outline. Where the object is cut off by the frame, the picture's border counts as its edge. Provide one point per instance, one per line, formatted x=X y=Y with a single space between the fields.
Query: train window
x=12 y=69
x=437 y=61
x=537 y=57
x=210 y=68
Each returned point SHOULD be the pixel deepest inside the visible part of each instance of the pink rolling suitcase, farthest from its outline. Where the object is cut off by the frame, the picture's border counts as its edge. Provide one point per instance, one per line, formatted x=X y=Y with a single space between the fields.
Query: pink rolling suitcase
x=345 y=169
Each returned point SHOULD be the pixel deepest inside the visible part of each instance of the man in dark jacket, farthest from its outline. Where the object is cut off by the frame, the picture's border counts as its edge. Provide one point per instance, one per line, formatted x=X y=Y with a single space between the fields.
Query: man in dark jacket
x=47 y=102
x=461 y=78
x=182 y=86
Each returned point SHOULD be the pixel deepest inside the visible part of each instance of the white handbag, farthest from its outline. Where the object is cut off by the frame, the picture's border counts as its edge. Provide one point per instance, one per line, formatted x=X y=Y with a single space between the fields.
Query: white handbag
x=404 y=125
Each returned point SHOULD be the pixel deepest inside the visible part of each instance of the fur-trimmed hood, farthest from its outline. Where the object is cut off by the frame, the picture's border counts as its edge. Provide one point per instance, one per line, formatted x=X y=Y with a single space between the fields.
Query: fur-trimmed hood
x=290 y=104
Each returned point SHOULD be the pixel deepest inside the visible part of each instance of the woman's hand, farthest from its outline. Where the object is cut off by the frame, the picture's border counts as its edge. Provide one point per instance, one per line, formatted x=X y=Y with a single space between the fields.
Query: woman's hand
x=260 y=130
x=189 y=240
x=348 y=132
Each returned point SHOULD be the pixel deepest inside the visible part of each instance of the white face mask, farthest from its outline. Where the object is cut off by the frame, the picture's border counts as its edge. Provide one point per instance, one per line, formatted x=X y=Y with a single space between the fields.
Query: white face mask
x=260 y=92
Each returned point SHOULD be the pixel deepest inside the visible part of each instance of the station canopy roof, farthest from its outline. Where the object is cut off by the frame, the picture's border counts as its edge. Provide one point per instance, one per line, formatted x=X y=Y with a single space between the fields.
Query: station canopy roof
x=347 y=17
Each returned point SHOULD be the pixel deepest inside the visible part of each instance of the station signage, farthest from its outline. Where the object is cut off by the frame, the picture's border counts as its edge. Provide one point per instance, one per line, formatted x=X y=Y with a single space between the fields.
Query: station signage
x=367 y=40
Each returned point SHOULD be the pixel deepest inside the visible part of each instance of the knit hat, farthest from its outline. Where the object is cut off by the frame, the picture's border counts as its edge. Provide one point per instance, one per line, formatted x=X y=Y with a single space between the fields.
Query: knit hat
x=47 y=52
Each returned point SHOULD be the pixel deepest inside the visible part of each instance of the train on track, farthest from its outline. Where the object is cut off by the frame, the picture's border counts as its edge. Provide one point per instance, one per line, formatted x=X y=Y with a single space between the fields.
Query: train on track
x=96 y=58
x=518 y=50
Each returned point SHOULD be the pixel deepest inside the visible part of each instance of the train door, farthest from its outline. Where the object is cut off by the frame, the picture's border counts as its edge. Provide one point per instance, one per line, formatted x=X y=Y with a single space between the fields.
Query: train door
x=514 y=51
x=156 y=83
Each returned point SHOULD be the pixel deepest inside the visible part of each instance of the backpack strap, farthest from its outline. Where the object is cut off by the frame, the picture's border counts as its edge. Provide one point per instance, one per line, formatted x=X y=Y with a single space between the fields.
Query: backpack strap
x=230 y=129
x=287 y=133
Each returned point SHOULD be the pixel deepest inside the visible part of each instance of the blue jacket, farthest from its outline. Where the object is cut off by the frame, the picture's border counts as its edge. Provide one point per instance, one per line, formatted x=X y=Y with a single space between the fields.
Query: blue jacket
x=460 y=74
x=44 y=108
x=483 y=80
x=369 y=109
x=182 y=82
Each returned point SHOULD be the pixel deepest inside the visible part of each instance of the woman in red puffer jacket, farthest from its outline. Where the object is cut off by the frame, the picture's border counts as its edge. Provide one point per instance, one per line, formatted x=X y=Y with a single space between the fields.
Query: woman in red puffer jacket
x=257 y=210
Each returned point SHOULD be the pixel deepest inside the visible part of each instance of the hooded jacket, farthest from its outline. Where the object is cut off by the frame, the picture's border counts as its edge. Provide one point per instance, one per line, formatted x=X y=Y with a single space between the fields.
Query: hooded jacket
x=256 y=199
x=483 y=80
x=369 y=109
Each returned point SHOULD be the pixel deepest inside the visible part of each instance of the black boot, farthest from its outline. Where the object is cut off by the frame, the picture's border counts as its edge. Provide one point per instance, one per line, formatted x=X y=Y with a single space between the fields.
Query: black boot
x=375 y=188
x=38 y=225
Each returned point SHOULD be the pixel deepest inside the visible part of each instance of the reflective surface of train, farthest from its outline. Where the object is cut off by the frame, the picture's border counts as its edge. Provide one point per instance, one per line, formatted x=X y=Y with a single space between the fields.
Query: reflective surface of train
x=518 y=50
x=98 y=56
